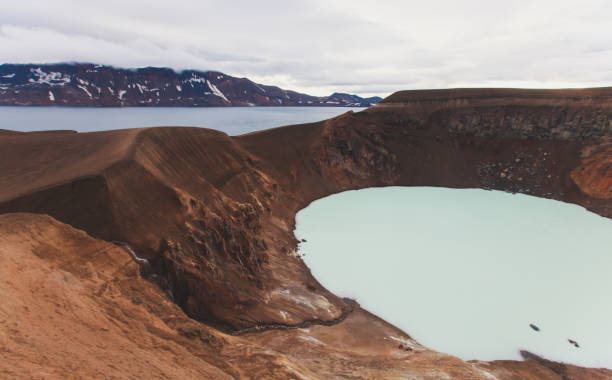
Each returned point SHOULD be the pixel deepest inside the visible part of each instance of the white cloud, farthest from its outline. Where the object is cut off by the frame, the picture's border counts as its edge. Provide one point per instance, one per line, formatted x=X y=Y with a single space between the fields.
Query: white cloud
x=320 y=46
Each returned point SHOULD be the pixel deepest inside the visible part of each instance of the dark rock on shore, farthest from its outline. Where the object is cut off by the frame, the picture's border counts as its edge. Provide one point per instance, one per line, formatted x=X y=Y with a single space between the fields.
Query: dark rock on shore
x=573 y=343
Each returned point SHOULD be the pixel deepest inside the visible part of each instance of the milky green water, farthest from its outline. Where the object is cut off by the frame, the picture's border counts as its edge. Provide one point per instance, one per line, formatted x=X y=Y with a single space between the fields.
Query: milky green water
x=466 y=271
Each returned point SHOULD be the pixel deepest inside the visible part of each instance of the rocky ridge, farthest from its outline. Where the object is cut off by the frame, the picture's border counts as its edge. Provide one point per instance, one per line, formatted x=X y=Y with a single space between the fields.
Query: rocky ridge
x=97 y=85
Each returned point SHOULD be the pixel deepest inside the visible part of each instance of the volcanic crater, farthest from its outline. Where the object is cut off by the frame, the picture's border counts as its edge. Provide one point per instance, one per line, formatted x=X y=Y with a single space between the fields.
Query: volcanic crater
x=226 y=295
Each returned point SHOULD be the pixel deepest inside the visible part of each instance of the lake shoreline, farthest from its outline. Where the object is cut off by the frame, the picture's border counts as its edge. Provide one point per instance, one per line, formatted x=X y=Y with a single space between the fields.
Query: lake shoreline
x=450 y=243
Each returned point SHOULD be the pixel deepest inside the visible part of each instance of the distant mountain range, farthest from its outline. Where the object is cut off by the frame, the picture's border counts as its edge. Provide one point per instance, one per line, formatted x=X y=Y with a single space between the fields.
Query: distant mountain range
x=87 y=84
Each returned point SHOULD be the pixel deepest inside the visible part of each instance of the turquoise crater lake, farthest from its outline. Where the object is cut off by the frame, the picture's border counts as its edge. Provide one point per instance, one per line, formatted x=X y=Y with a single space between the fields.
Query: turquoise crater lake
x=466 y=271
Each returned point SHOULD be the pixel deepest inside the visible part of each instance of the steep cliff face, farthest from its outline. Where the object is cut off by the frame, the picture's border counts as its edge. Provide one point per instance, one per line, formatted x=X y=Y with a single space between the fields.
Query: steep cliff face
x=505 y=113
x=214 y=215
x=98 y=85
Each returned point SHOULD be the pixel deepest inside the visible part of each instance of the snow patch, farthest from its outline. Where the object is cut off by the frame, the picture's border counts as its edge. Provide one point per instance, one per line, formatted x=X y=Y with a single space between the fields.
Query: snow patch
x=86 y=91
x=8 y=76
x=52 y=78
x=51 y=96
x=195 y=79
x=311 y=339
x=111 y=91
x=216 y=91
x=139 y=260
x=121 y=95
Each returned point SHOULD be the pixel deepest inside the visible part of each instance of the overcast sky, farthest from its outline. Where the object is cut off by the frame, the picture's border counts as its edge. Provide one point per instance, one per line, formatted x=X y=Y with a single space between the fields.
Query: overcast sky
x=318 y=47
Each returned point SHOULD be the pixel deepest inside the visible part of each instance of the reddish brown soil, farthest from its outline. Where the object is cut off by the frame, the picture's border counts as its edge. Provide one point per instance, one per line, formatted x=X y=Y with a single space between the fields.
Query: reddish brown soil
x=214 y=215
x=76 y=307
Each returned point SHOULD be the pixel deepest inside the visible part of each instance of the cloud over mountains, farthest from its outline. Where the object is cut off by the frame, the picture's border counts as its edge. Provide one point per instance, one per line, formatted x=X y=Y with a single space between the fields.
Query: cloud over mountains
x=320 y=47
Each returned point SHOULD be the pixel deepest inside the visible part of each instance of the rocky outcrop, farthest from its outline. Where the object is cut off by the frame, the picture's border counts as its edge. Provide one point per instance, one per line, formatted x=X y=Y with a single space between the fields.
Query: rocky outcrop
x=594 y=175
x=98 y=85
x=214 y=215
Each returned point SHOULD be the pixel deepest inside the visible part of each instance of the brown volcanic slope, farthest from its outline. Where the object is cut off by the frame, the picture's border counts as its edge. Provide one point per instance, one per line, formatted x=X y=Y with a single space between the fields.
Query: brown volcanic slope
x=214 y=216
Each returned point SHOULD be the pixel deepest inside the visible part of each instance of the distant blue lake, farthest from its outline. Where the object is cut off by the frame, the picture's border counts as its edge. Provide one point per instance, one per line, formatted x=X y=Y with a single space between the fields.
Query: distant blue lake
x=231 y=120
x=466 y=271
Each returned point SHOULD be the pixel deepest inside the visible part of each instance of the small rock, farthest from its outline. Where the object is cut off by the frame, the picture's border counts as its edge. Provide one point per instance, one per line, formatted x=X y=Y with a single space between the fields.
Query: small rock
x=536 y=328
